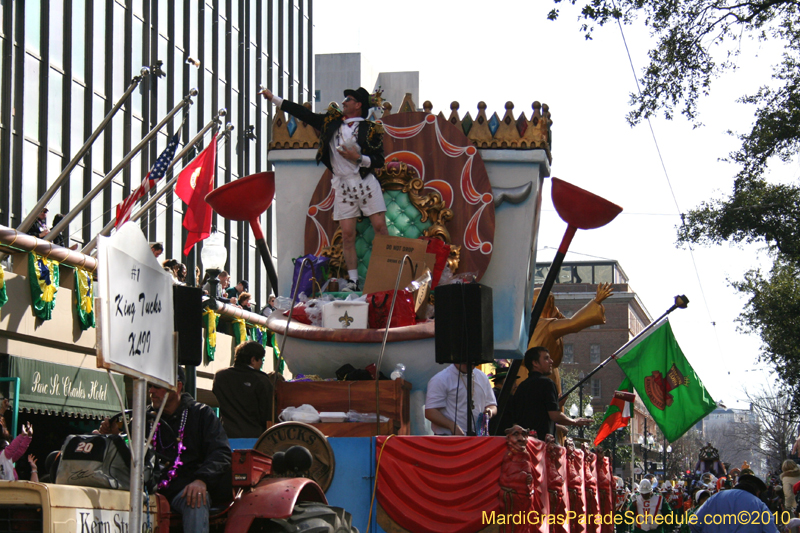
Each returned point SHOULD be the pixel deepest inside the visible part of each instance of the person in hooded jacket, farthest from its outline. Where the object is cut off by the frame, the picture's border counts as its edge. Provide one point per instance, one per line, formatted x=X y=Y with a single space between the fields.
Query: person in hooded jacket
x=245 y=393
x=790 y=474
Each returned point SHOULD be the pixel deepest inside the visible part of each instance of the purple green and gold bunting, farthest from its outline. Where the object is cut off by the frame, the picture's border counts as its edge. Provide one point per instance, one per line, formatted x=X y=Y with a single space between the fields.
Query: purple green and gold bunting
x=3 y=292
x=266 y=338
x=239 y=330
x=84 y=298
x=260 y=334
x=210 y=323
x=280 y=364
x=43 y=278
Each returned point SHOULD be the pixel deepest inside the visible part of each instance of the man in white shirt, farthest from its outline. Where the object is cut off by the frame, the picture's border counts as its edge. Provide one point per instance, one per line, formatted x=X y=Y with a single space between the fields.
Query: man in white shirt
x=446 y=400
x=352 y=149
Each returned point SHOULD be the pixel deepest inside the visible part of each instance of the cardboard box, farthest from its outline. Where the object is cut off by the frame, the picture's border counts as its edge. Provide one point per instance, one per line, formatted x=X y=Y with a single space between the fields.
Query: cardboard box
x=384 y=262
x=421 y=299
x=333 y=416
x=345 y=315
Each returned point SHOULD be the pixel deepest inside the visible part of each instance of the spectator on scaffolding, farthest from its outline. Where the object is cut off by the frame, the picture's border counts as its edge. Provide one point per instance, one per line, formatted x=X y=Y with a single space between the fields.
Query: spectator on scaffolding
x=180 y=273
x=157 y=248
x=170 y=265
x=270 y=307
x=39 y=227
x=242 y=286
x=223 y=281
x=63 y=238
x=244 y=301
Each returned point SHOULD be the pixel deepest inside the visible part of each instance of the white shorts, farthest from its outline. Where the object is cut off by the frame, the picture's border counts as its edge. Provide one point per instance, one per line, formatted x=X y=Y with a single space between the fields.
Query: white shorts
x=356 y=197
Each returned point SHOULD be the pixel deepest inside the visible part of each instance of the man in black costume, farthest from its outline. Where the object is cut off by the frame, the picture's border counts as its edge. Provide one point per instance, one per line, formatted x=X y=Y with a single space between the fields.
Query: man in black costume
x=352 y=149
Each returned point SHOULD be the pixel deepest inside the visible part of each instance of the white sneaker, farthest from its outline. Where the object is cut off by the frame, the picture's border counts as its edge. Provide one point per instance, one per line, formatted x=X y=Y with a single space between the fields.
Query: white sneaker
x=352 y=286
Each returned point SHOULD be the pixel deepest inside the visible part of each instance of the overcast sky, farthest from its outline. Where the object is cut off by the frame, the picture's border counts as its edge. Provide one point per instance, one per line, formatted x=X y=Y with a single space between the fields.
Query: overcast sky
x=501 y=51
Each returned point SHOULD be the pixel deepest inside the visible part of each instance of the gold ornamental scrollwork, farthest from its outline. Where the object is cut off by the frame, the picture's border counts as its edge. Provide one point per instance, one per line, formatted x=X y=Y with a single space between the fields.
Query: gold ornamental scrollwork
x=398 y=176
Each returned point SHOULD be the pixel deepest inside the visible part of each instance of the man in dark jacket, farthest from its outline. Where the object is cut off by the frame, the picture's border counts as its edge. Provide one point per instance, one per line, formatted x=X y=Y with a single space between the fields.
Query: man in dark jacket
x=244 y=393
x=352 y=149
x=191 y=441
x=191 y=437
x=535 y=404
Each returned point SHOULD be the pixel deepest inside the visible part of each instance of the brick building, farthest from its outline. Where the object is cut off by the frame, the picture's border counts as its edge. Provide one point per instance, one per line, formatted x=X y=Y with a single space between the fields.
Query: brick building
x=625 y=317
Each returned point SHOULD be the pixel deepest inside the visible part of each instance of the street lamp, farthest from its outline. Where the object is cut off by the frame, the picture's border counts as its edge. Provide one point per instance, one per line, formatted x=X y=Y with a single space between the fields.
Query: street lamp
x=580 y=402
x=214 y=256
x=575 y=411
x=615 y=435
x=667 y=450
x=646 y=441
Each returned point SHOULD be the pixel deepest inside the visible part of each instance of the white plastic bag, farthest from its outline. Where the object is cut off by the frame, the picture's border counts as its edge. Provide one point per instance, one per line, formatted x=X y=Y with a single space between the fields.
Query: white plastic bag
x=314 y=311
x=305 y=413
x=355 y=416
x=282 y=303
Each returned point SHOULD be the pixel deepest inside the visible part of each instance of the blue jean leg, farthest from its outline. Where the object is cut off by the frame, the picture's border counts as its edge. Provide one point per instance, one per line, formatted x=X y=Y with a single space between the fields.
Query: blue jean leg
x=195 y=520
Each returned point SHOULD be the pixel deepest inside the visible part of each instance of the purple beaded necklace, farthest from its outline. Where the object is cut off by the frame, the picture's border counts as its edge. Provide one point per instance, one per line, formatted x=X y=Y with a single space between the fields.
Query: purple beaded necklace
x=175 y=465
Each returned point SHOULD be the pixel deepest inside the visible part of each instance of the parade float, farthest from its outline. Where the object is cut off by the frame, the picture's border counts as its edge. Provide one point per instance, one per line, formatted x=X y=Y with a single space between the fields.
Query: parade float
x=476 y=185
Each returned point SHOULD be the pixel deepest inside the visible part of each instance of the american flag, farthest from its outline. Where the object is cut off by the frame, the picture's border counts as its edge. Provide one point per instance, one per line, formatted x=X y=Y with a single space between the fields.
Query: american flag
x=125 y=209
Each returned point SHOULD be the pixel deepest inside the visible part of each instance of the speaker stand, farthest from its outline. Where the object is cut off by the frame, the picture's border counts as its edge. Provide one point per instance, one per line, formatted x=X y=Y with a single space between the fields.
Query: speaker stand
x=470 y=418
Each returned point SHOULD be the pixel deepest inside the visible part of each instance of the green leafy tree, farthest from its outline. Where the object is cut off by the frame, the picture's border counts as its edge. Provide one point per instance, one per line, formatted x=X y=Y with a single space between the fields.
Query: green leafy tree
x=773 y=310
x=695 y=42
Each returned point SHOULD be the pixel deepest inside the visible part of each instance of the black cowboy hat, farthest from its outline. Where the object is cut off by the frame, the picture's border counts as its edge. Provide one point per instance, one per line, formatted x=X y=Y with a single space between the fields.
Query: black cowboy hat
x=752 y=481
x=361 y=95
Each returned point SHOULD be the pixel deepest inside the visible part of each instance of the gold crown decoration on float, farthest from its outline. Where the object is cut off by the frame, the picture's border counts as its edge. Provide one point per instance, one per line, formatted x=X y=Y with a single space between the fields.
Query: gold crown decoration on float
x=492 y=132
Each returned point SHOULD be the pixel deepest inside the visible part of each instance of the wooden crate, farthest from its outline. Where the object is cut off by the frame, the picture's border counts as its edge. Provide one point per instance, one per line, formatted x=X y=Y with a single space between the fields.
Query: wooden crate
x=351 y=396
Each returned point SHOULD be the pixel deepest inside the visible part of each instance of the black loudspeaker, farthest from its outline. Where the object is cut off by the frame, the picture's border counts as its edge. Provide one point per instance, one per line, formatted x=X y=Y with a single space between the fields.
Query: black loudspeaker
x=188 y=310
x=464 y=324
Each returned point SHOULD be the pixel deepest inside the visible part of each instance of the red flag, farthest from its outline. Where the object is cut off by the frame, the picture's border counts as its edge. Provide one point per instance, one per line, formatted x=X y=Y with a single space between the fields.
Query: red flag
x=194 y=183
x=618 y=413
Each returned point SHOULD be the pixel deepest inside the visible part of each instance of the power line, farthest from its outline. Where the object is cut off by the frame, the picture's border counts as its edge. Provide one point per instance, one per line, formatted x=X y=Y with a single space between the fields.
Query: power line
x=669 y=184
x=576 y=253
x=625 y=213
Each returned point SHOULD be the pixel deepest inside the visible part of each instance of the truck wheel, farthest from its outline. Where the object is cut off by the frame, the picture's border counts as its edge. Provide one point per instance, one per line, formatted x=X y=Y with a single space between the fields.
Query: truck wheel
x=308 y=517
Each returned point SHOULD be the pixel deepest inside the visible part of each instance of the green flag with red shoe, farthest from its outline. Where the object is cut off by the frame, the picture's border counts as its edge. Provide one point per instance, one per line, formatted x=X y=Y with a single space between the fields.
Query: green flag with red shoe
x=666 y=382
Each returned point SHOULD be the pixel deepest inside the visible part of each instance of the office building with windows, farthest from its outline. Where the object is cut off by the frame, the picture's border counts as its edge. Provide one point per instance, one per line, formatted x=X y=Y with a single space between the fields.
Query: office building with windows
x=625 y=313
x=65 y=64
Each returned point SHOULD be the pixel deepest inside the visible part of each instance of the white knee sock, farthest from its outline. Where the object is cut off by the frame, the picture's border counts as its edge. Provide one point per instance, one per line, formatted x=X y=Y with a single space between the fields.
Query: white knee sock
x=353 y=274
